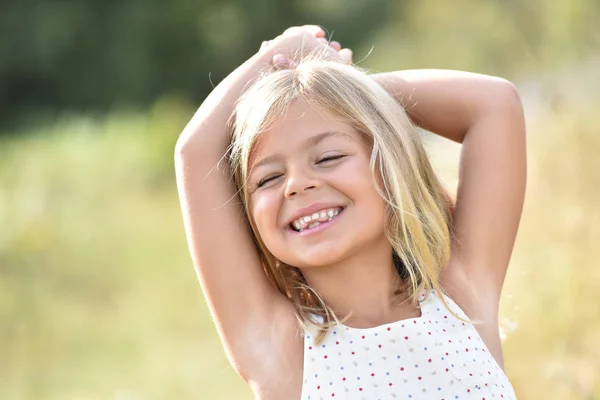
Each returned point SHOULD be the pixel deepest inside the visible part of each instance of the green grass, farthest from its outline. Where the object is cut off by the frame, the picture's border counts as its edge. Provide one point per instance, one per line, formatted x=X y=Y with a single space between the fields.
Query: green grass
x=99 y=300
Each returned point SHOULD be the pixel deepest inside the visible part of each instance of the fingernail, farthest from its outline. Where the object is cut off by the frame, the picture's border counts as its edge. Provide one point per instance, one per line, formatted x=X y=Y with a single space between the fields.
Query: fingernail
x=280 y=59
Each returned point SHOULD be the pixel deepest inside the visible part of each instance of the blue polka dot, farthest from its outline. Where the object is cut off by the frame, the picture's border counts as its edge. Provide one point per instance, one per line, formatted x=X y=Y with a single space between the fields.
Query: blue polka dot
x=351 y=342
x=358 y=378
x=316 y=375
x=439 y=389
x=377 y=334
x=387 y=373
x=397 y=356
x=330 y=383
x=416 y=365
x=425 y=348
x=370 y=364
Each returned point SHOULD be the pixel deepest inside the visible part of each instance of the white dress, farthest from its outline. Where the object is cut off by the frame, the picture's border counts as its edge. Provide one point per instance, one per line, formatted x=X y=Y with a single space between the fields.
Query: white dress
x=435 y=356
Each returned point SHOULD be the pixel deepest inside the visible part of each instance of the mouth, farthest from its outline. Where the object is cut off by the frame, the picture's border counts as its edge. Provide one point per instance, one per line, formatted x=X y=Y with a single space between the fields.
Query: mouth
x=316 y=219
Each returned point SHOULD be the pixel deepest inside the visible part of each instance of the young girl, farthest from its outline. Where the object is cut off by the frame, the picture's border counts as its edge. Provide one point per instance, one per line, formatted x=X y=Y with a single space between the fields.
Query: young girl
x=333 y=262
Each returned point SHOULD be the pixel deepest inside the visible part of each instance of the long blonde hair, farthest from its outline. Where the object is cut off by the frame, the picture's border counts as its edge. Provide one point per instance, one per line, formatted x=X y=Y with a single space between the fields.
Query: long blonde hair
x=418 y=216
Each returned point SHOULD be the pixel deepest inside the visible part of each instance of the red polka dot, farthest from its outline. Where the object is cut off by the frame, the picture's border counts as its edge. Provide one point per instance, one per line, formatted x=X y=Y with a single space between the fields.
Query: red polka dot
x=344 y=378
x=420 y=378
x=406 y=337
x=379 y=346
x=310 y=347
x=468 y=390
x=467 y=350
x=429 y=360
x=332 y=394
x=360 y=389
x=324 y=356
x=372 y=374
x=363 y=337
x=353 y=353
x=391 y=384
x=447 y=369
x=337 y=342
x=401 y=368
x=319 y=387
x=389 y=329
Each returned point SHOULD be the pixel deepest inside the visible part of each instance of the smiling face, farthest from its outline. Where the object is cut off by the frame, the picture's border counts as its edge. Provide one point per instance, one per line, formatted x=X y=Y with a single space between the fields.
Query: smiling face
x=312 y=193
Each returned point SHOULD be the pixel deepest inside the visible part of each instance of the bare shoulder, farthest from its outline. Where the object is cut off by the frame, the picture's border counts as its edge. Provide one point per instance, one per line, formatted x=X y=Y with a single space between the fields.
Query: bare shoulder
x=274 y=362
x=479 y=303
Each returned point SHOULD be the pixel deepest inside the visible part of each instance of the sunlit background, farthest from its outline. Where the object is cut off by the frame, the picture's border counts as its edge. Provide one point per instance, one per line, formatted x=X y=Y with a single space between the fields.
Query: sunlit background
x=98 y=296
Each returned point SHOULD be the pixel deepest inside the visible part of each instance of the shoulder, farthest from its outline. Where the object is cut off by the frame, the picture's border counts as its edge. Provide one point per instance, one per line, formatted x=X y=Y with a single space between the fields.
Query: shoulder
x=272 y=362
x=479 y=304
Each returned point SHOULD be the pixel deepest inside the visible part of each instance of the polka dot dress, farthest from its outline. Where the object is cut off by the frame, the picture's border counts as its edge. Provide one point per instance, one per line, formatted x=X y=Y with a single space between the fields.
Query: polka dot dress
x=435 y=356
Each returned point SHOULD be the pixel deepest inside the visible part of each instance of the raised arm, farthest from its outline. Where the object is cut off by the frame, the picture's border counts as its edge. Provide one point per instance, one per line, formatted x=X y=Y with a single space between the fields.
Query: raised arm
x=485 y=115
x=241 y=300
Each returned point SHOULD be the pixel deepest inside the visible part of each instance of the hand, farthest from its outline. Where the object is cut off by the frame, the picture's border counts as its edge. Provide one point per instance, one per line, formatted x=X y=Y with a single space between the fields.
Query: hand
x=301 y=40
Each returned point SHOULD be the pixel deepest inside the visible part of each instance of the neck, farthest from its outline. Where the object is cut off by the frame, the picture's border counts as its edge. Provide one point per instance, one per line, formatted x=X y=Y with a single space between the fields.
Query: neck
x=365 y=286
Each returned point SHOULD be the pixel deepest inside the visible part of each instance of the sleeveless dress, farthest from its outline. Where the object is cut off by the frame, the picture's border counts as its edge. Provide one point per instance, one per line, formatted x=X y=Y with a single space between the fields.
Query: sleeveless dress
x=435 y=356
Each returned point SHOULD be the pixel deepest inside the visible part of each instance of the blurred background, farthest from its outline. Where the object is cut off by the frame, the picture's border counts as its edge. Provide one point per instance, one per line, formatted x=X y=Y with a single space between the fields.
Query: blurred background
x=98 y=296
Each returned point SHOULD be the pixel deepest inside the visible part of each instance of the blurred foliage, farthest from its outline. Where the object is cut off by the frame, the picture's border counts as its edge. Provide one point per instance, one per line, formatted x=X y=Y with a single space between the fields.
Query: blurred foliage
x=89 y=55
x=98 y=297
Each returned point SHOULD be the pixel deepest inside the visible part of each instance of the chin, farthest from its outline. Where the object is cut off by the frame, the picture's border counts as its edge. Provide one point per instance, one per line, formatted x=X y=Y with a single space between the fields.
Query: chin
x=317 y=258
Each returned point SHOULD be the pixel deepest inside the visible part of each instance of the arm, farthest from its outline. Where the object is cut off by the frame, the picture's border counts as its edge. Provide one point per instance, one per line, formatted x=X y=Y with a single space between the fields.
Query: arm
x=485 y=115
x=242 y=302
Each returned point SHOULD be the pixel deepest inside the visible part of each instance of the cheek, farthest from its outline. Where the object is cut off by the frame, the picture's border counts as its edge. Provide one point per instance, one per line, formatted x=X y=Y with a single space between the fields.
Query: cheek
x=265 y=208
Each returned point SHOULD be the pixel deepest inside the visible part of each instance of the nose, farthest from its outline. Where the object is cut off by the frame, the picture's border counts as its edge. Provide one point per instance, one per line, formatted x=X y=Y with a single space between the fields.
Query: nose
x=300 y=182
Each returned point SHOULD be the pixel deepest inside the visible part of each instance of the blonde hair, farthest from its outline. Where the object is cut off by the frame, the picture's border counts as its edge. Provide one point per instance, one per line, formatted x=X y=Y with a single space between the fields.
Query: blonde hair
x=418 y=216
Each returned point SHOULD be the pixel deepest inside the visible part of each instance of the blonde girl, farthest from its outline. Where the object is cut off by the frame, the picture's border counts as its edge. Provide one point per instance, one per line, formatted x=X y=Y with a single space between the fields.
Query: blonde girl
x=333 y=262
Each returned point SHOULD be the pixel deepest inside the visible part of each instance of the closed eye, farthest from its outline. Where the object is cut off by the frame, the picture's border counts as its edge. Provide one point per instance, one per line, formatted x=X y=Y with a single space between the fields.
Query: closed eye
x=266 y=180
x=330 y=158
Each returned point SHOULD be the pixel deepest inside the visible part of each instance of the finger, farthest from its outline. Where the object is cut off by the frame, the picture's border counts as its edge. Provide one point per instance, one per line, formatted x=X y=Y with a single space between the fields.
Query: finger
x=316 y=30
x=323 y=41
x=336 y=45
x=280 y=61
x=346 y=55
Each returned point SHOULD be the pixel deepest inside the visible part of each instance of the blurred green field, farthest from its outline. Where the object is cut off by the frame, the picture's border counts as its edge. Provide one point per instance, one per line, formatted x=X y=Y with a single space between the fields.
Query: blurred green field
x=99 y=300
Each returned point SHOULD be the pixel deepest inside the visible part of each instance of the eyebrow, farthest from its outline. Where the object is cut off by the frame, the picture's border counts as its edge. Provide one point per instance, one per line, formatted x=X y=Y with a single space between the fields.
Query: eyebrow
x=308 y=143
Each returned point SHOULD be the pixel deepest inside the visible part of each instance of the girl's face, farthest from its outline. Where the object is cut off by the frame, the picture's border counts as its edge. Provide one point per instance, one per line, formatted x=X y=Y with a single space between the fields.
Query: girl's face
x=312 y=194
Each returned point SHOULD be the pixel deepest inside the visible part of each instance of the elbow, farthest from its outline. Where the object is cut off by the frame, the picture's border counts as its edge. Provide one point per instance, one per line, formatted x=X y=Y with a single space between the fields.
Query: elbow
x=507 y=94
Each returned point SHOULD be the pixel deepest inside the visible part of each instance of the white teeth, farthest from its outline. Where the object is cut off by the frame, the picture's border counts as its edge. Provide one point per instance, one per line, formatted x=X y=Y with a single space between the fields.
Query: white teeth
x=315 y=219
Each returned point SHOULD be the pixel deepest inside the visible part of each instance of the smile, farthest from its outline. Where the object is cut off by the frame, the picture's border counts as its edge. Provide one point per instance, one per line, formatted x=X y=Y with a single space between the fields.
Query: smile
x=315 y=219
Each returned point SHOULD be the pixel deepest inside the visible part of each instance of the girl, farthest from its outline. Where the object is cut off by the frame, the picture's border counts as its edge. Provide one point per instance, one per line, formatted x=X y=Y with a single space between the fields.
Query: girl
x=333 y=262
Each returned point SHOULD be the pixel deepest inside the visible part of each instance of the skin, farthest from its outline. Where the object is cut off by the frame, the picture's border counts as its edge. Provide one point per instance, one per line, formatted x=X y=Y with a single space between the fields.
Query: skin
x=352 y=250
x=256 y=323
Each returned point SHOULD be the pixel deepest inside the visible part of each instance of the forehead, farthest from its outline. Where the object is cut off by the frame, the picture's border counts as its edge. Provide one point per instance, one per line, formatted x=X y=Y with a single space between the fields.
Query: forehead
x=298 y=125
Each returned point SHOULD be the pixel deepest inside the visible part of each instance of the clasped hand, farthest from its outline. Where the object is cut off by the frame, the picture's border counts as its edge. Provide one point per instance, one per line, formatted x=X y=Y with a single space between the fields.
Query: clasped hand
x=298 y=41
